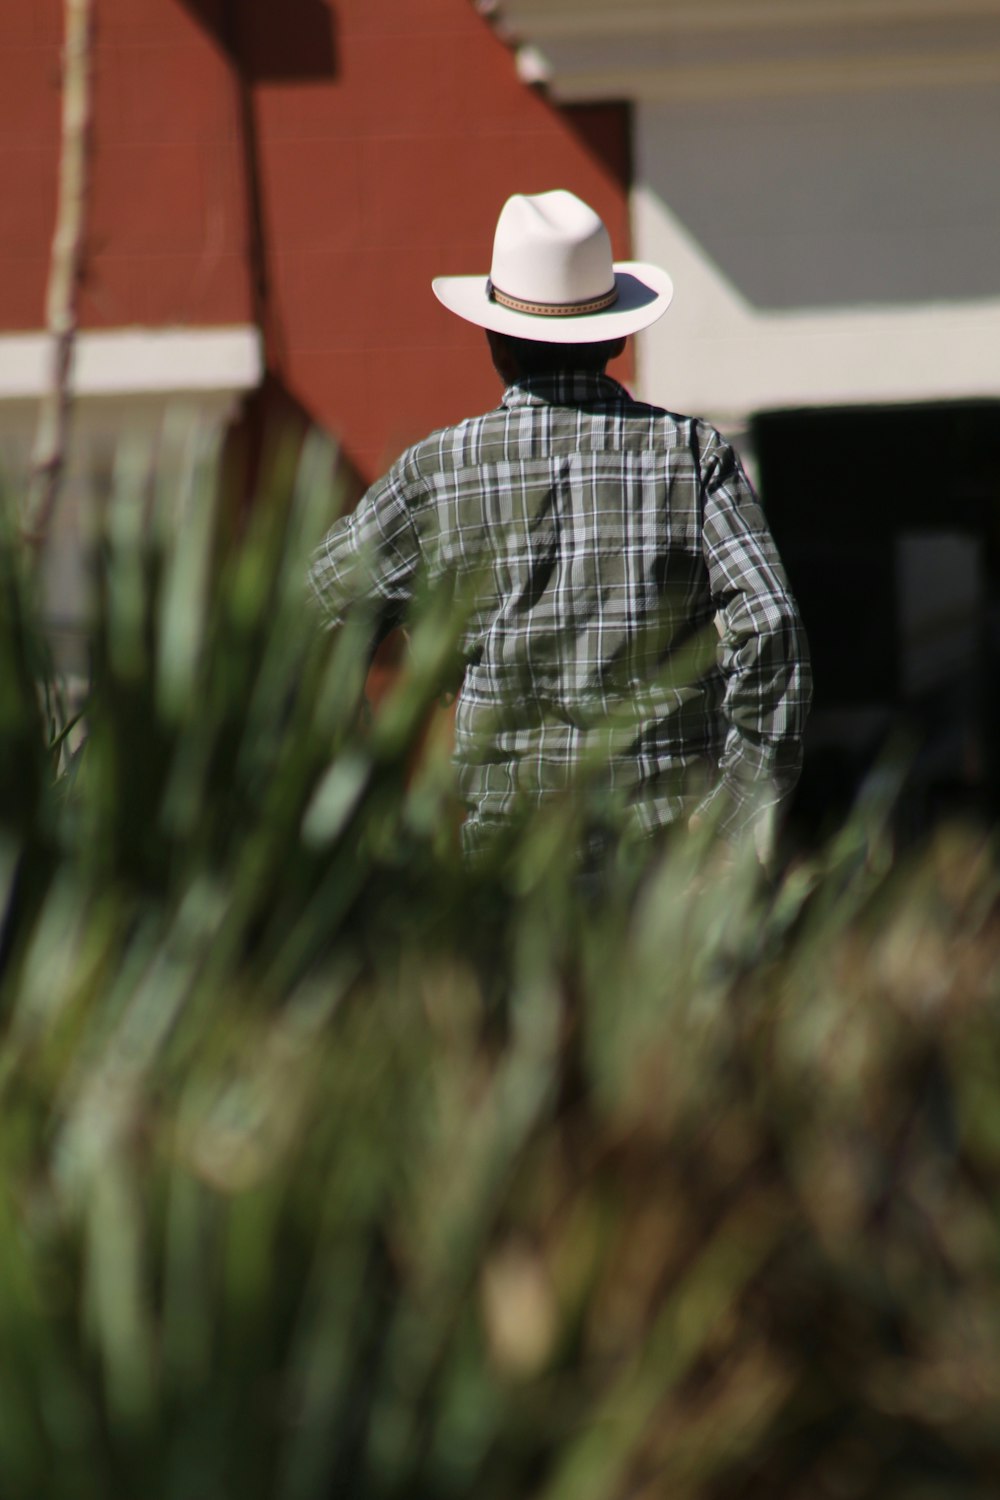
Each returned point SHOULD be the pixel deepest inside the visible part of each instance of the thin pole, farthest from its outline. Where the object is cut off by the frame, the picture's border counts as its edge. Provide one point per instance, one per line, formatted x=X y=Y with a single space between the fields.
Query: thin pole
x=65 y=270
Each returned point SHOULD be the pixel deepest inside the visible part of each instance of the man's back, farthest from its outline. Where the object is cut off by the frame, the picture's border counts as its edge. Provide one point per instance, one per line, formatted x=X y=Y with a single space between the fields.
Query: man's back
x=600 y=537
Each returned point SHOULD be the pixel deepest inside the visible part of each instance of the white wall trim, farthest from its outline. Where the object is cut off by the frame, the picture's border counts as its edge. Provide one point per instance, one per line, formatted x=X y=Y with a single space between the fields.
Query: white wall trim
x=716 y=355
x=665 y=50
x=579 y=82
x=541 y=20
x=137 y=362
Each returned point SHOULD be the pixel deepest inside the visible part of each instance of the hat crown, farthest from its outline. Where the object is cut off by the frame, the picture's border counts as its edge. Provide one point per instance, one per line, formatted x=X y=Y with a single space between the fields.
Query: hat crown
x=551 y=248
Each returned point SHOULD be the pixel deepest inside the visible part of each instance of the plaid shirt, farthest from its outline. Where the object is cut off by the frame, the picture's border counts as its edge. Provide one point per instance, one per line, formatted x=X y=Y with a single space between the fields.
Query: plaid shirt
x=631 y=622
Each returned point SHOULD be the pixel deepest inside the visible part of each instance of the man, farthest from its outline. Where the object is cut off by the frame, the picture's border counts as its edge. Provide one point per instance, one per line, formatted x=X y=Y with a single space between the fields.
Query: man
x=604 y=541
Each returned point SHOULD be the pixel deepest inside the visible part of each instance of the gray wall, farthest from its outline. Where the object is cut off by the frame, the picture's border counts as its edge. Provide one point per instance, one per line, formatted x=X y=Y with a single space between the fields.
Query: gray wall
x=843 y=200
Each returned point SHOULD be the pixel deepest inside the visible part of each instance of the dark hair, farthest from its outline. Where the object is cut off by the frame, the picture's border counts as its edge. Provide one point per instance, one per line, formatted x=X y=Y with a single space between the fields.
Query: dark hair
x=535 y=358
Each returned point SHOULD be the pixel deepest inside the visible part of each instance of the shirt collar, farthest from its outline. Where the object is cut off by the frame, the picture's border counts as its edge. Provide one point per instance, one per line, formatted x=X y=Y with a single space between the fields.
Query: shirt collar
x=567 y=388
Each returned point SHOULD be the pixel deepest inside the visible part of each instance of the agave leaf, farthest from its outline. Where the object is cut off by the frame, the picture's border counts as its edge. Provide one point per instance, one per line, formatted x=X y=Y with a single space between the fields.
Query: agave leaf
x=117 y=1298
x=190 y=513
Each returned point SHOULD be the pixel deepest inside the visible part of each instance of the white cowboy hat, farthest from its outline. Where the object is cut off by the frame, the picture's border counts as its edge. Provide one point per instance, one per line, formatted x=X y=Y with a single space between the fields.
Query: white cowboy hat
x=553 y=278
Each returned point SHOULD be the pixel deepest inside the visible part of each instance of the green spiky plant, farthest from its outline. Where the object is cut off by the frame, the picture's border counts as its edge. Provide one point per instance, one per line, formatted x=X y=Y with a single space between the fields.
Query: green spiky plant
x=334 y=1167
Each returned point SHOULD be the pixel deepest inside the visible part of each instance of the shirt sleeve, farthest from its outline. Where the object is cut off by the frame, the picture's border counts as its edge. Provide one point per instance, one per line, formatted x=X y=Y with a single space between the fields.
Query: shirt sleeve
x=764 y=654
x=371 y=557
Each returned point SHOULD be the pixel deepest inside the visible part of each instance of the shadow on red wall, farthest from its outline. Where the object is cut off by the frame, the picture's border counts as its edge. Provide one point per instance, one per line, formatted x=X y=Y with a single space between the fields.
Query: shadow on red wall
x=605 y=132
x=304 y=46
x=264 y=444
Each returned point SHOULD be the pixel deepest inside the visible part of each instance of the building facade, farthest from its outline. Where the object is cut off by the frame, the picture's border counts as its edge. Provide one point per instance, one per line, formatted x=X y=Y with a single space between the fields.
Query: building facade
x=270 y=189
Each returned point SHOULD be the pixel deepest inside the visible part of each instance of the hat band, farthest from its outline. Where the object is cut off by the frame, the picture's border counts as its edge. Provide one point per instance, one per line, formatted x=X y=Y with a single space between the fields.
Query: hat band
x=551 y=309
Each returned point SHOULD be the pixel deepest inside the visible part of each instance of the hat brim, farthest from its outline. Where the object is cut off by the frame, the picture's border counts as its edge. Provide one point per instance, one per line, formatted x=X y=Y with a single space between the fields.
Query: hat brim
x=644 y=294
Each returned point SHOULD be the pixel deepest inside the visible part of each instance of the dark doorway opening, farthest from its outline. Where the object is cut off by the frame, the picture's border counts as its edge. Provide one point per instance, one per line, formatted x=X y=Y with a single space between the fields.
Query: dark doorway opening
x=888 y=519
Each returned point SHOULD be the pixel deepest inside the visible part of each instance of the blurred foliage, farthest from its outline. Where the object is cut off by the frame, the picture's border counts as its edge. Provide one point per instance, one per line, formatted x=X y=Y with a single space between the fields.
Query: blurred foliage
x=333 y=1166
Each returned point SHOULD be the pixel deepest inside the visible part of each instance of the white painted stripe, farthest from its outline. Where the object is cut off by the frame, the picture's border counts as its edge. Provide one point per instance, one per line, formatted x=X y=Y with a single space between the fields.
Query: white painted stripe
x=136 y=361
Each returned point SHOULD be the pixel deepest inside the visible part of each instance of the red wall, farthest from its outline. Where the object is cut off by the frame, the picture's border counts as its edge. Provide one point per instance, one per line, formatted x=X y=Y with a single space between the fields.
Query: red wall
x=29 y=133
x=166 y=230
x=305 y=164
x=167 y=241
